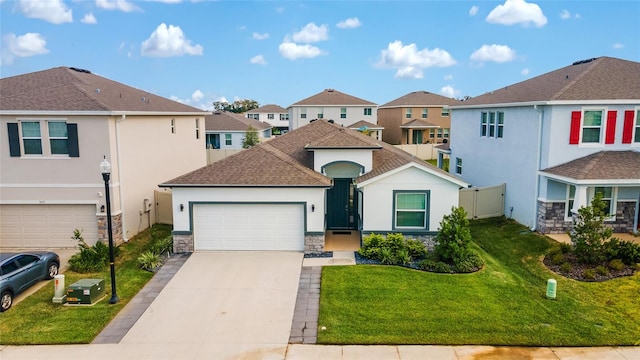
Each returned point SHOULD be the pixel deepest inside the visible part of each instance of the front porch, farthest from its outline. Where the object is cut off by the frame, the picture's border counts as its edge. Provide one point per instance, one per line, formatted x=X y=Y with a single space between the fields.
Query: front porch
x=341 y=240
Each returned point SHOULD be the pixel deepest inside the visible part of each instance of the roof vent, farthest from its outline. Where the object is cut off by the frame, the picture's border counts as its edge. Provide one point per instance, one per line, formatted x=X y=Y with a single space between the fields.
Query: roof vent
x=80 y=70
x=98 y=91
x=330 y=121
x=330 y=90
x=583 y=61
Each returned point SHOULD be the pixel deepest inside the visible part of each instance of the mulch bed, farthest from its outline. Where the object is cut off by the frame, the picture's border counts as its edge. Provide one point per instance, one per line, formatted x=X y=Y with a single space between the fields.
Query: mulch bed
x=577 y=269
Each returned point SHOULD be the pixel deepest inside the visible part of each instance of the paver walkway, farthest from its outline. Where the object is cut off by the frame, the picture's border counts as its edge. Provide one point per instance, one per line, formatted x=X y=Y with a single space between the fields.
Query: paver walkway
x=304 y=327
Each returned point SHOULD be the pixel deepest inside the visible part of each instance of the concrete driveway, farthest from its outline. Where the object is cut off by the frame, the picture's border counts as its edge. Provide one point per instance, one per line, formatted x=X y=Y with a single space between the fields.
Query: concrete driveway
x=223 y=305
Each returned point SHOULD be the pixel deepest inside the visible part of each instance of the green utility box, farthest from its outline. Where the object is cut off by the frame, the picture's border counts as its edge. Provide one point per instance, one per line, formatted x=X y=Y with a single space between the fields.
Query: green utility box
x=85 y=291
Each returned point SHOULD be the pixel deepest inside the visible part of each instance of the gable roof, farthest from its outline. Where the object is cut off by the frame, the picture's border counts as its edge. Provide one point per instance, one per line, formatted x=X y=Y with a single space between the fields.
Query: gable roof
x=358 y=125
x=64 y=89
x=269 y=108
x=331 y=97
x=228 y=121
x=344 y=139
x=419 y=99
x=602 y=78
x=287 y=161
x=603 y=165
x=417 y=124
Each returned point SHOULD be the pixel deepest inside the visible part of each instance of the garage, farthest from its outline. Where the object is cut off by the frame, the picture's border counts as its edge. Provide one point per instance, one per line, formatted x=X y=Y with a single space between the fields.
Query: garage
x=248 y=227
x=46 y=226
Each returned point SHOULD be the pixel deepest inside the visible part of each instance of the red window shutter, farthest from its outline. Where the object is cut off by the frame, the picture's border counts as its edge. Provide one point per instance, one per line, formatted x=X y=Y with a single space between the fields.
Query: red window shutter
x=627 y=129
x=574 y=137
x=610 y=137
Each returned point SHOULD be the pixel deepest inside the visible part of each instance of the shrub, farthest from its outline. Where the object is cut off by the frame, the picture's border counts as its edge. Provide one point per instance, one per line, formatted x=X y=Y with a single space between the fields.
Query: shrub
x=601 y=270
x=427 y=264
x=589 y=274
x=162 y=246
x=472 y=262
x=558 y=259
x=565 y=248
x=371 y=245
x=395 y=242
x=442 y=267
x=386 y=256
x=90 y=258
x=566 y=267
x=616 y=264
x=627 y=251
x=454 y=236
x=149 y=260
x=403 y=257
x=589 y=233
x=416 y=248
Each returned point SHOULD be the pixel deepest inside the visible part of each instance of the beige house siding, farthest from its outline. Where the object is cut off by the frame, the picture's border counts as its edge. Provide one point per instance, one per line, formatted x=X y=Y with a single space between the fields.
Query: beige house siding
x=394 y=117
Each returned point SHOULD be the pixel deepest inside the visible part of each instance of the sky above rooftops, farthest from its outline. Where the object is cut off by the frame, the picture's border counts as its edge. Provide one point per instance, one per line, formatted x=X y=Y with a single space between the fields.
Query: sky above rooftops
x=280 y=52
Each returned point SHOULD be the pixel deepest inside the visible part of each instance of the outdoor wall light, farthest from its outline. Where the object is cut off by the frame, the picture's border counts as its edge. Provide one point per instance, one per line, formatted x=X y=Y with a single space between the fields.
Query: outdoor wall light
x=181 y=207
x=313 y=208
x=102 y=208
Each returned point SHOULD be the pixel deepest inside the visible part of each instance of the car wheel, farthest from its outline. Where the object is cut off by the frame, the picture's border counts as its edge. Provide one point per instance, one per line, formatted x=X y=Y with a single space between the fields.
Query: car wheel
x=52 y=270
x=6 y=301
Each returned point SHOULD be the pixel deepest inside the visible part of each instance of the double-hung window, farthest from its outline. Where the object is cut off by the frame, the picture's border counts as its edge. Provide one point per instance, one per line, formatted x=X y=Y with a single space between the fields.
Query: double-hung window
x=492 y=124
x=411 y=209
x=284 y=117
x=303 y=113
x=636 y=130
x=407 y=113
x=270 y=116
x=607 y=198
x=425 y=113
x=500 y=130
x=458 y=166
x=197 y=128
x=31 y=138
x=483 y=124
x=320 y=113
x=227 y=139
x=42 y=137
x=173 y=126
x=592 y=126
x=58 y=137
x=444 y=111
x=343 y=113
x=367 y=111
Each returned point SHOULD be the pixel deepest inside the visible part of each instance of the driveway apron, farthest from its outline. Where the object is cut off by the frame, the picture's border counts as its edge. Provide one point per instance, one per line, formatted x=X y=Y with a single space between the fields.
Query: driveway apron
x=224 y=304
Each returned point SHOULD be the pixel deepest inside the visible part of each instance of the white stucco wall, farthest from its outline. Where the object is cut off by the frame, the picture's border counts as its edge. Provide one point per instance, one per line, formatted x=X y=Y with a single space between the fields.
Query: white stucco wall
x=322 y=157
x=331 y=112
x=310 y=196
x=378 y=198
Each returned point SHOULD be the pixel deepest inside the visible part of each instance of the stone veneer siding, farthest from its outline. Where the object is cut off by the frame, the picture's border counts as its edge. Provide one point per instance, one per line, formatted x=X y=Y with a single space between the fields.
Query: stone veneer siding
x=429 y=240
x=183 y=243
x=551 y=218
x=313 y=243
x=116 y=227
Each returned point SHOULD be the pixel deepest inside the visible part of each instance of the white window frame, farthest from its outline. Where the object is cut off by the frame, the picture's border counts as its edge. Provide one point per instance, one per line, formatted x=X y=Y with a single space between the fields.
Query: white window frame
x=284 y=117
x=499 y=124
x=492 y=124
x=228 y=140
x=602 y=127
x=39 y=138
x=568 y=202
x=425 y=113
x=303 y=113
x=446 y=133
x=612 y=200
x=343 y=113
x=407 y=113
x=444 y=111
x=635 y=136
x=197 y=128
x=459 y=166
x=270 y=116
x=367 y=111
x=320 y=113
x=173 y=126
x=396 y=210
x=484 y=123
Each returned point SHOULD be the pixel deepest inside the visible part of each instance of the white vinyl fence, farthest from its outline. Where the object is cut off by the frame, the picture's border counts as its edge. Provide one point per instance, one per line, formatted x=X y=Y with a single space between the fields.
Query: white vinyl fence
x=480 y=203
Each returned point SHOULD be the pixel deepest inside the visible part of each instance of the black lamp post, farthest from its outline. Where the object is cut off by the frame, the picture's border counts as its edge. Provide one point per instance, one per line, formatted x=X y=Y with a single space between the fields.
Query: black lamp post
x=105 y=167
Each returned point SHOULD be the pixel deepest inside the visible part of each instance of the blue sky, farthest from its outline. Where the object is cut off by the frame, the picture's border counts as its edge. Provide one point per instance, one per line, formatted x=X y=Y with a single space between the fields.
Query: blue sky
x=280 y=52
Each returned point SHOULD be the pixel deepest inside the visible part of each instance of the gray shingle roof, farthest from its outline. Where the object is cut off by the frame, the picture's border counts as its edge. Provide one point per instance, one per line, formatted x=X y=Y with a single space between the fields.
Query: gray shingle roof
x=603 y=165
x=286 y=160
x=227 y=121
x=369 y=125
x=420 y=99
x=603 y=78
x=66 y=89
x=331 y=97
x=269 y=108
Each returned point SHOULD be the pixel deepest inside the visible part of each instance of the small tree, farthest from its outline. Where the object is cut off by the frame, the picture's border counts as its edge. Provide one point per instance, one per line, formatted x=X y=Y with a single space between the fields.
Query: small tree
x=251 y=138
x=453 y=236
x=589 y=234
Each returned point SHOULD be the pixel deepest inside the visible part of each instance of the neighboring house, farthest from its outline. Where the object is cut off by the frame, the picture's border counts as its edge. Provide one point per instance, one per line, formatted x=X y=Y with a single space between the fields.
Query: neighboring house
x=556 y=140
x=274 y=115
x=57 y=126
x=227 y=130
x=367 y=128
x=285 y=194
x=418 y=117
x=330 y=104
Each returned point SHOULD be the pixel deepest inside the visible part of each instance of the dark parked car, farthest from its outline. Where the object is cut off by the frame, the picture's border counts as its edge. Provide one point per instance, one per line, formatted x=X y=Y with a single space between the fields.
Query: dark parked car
x=18 y=271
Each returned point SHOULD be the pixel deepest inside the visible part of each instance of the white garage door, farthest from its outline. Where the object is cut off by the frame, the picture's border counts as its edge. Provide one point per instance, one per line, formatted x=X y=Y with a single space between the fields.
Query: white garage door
x=248 y=227
x=46 y=226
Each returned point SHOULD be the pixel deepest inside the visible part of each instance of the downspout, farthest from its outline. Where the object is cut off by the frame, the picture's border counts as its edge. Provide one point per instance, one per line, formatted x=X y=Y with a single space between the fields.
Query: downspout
x=538 y=162
x=124 y=227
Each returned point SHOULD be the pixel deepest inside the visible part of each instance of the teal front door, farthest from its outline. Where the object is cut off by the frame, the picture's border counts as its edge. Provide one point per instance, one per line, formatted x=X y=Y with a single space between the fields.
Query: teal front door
x=341 y=212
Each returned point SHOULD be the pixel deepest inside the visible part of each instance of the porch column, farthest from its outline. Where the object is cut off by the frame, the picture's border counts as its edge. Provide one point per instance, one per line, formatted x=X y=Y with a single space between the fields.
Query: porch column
x=580 y=199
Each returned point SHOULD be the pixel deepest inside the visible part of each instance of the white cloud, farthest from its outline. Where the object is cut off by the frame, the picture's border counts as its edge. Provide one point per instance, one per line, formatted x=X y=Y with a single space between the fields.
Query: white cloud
x=618 y=46
x=293 y=51
x=197 y=95
x=197 y=99
x=122 y=5
x=53 y=11
x=312 y=33
x=449 y=91
x=26 y=45
x=410 y=61
x=350 y=23
x=495 y=53
x=448 y=77
x=474 y=10
x=565 y=14
x=89 y=19
x=169 y=41
x=260 y=36
x=524 y=72
x=258 y=59
x=517 y=12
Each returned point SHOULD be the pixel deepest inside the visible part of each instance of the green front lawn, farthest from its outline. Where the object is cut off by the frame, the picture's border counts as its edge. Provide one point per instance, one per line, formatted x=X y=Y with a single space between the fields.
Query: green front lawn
x=503 y=304
x=36 y=320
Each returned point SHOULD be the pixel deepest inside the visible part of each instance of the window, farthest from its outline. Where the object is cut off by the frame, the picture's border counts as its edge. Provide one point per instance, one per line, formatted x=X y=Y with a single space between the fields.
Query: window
x=197 y=128
x=303 y=113
x=270 y=116
x=227 y=139
x=500 y=125
x=407 y=113
x=411 y=210
x=446 y=133
x=173 y=126
x=444 y=111
x=439 y=133
x=432 y=133
x=571 y=195
x=31 y=138
x=367 y=111
x=320 y=113
x=284 y=117
x=425 y=113
x=343 y=113
x=492 y=124
x=458 y=166
x=592 y=126
x=58 y=137
x=483 y=124
x=636 y=136
x=607 y=197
